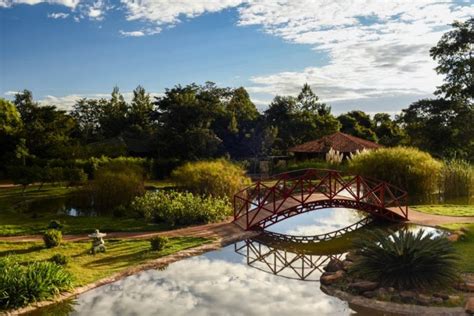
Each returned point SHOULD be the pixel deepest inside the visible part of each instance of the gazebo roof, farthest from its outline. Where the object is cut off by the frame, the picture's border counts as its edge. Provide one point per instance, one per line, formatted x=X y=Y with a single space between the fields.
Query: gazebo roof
x=339 y=141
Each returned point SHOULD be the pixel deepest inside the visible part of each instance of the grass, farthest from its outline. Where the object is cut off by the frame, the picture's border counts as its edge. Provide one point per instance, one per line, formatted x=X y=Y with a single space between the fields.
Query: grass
x=465 y=246
x=446 y=209
x=87 y=268
x=14 y=222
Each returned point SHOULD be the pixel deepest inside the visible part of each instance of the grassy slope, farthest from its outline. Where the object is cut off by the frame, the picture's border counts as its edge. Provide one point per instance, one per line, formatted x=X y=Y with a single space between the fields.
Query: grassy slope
x=88 y=268
x=464 y=247
x=13 y=222
x=446 y=209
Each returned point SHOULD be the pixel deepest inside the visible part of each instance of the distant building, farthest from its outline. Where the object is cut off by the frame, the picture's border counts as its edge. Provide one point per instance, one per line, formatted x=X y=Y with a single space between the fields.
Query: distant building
x=341 y=142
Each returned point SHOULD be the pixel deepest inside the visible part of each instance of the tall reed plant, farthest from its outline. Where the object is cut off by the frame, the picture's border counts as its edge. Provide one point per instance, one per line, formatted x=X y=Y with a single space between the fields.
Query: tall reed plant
x=457 y=180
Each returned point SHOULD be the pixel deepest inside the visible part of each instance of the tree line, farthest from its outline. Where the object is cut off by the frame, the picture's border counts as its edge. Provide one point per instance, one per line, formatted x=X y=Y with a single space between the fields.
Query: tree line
x=195 y=122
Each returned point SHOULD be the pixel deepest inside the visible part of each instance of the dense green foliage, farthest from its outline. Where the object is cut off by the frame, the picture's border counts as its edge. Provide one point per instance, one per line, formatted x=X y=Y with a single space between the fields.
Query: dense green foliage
x=158 y=243
x=219 y=178
x=112 y=188
x=408 y=168
x=60 y=259
x=406 y=260
x=181 y=208
x=52 y=238
x=457 y=180
x=37 y=281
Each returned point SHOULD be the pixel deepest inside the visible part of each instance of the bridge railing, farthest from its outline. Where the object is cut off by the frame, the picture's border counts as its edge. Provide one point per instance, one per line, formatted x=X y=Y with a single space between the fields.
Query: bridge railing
x=297 y=187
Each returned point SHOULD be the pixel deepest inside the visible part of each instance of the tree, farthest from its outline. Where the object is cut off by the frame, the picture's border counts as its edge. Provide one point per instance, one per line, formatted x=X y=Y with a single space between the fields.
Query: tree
x=48 y=131
x=185 y=116
x=299 y=119
x=113 y=120
x=388 y=131
x=308 y=101
x=140 y=123
x=87 y=113
x=454 y=53
x=440 y=127
x=359 y=124
x=10 y=130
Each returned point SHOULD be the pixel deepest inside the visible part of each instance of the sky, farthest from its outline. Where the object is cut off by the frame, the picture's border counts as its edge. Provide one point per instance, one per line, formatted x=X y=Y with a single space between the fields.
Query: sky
x=370 y=55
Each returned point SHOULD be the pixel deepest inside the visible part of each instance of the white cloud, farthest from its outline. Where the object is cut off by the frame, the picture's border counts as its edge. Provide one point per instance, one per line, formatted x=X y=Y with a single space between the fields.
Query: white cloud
x=375 y=48
x=58 y=15
x=11 y=93
x=172 y=11
x=68 y=3
x=66 y=102
x=142 y=32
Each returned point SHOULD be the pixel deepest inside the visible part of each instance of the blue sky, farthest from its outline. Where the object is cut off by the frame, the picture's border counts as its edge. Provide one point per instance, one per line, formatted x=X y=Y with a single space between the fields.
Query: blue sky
x=367 y=55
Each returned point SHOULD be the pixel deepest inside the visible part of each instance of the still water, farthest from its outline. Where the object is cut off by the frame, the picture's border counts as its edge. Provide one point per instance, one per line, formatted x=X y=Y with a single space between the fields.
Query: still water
x=252 y=277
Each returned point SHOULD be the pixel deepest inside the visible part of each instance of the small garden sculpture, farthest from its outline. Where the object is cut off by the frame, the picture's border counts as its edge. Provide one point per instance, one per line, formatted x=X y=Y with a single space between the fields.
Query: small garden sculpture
x=98 y=244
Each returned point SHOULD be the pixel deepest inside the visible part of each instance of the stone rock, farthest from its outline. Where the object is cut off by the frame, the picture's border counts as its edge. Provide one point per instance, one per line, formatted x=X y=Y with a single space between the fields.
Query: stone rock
x=454 y=299
x=453 y=237
x=369 y=294
x=407 y=296
x=437 y=300
x=382 y=293
x=363 y=286
x=351 y=256
x=466 y=286
x=346 y=265
x=334 y=265
x=469 y=308
x=328 y=278
x=391 y=289
x=423 y=299
x=441 y=295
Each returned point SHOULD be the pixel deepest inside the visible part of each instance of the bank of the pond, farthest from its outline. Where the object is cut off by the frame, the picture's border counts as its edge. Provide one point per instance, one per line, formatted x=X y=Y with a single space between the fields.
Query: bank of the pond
x=123 y=258
x=14 y=220
x=464 y=245
x=445 y=209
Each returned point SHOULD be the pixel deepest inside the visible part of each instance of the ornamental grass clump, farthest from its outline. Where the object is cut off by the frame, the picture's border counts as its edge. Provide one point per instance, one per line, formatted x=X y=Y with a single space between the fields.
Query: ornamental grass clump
x=52 y=238
x=457 y=179
x=410 y=169
x=406 y=260
x=37 y=281
x=181 y=208
x=218 y=178
x=158 y=243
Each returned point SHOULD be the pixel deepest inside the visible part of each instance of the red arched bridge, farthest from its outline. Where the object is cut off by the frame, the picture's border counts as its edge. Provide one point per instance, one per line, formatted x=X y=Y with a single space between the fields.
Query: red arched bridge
x=267 y=202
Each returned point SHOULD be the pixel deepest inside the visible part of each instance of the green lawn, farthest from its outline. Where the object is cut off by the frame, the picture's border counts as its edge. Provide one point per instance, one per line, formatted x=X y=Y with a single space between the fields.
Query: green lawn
x=88 y=268
x=446 y=209
x=465 y=246
x=15 y=222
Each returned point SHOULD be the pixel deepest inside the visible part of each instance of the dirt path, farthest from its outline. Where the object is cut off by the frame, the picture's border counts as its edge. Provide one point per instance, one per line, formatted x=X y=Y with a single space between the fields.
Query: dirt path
x=224 y=230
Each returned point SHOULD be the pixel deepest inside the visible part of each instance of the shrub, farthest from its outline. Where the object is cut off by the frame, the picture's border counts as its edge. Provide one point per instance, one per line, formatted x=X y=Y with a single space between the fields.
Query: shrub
x=181 y=208
x=52 y=238
x=219 y=178
x=75 y=176
x=55 y=224
x=60 y=259
x=411 y=169
x=457 y=179
x=406 y=260
x=110 y=189
x=158 y=243
x=37 y=281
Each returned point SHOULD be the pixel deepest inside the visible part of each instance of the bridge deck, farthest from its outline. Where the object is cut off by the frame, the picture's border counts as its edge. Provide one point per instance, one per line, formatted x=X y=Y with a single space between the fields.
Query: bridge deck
x=256 y=215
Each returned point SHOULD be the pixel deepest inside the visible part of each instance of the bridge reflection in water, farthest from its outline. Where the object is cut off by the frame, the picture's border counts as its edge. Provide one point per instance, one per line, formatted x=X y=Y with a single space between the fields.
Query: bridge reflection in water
x=302 y=257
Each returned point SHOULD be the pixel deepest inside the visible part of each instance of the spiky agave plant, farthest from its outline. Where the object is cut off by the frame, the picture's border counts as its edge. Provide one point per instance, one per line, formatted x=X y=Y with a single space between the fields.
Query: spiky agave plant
x=406 y=260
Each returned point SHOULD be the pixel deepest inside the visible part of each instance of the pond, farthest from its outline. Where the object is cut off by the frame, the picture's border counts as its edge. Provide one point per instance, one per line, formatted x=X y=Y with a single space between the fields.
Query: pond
x=258 y=276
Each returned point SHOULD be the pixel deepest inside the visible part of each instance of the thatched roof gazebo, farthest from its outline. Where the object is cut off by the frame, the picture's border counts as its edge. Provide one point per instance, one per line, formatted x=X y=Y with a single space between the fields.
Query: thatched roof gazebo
x=344 y=143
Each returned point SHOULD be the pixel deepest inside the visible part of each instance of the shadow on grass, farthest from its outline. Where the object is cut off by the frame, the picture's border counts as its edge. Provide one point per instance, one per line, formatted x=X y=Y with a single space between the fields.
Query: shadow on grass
x=20 y=251
x=118 y=261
